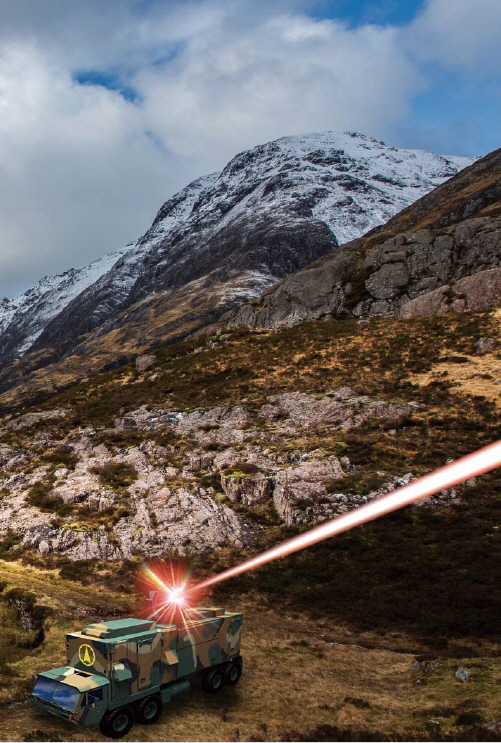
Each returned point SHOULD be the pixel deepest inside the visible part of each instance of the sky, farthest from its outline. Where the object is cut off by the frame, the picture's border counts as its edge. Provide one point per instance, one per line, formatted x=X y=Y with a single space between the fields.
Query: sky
x=109 y=108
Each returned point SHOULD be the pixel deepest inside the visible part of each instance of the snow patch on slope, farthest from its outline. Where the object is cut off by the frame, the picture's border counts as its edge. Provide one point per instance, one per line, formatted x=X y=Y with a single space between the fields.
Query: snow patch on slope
x=349 y=181
x=33 y=309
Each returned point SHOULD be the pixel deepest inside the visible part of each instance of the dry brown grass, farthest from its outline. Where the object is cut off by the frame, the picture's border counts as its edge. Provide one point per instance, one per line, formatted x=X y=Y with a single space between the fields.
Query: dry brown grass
x=481 y=376
x=474 y=375
x=299 y=674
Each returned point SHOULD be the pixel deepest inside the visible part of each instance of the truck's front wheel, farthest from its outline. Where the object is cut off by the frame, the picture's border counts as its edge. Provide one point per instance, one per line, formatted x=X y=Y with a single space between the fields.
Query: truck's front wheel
x=117 y=723
x=149 y=710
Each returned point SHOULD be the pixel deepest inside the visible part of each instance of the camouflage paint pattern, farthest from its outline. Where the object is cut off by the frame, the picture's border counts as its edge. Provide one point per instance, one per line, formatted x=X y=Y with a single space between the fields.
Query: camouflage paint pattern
x=91 y=697
x=128 y=659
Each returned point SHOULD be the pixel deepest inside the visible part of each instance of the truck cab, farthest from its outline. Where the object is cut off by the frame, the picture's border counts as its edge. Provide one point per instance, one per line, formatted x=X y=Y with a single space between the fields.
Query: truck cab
x=72 y=695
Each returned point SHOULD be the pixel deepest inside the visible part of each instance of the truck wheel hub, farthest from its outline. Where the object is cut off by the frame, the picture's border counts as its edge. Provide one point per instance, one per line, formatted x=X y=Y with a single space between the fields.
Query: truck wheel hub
x=120 y=723
x=150 y=710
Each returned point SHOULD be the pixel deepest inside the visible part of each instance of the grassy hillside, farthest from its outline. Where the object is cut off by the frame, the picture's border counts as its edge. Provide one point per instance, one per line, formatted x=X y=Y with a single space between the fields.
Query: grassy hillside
x=305 y=678
x=332 y=632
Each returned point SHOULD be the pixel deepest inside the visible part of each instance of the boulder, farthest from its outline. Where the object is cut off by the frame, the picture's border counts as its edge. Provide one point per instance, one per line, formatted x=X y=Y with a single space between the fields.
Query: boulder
x=125 y=424
x=29 y=419
x=485 y=345
x=143 y=363
x=248 y=490
x=9 y=456
x=474 y=293
x=300 y=495
x=462 y=674
x=494 y=725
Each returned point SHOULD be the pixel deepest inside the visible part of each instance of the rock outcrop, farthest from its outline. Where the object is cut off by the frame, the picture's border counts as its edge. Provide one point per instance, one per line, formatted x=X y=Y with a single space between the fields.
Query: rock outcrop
x=190 y=498
x=143 y=363
x=474 y=293
x=30 y=419
x=451 y=234
x=340 y=408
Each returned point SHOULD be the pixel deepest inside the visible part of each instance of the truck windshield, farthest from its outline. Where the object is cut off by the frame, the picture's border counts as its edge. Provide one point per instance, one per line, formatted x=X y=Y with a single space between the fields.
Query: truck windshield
x=66 y=697
x=44 y=688
x=52 y=691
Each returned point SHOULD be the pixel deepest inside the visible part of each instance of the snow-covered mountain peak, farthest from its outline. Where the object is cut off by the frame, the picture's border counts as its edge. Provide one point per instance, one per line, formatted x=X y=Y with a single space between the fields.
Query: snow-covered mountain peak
x=30 y=312
x=350 y=181
x=270 y=211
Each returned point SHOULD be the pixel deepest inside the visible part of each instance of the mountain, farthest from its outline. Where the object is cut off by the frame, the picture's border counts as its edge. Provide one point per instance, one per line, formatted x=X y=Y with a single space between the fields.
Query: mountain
x=24 y=318
x=222 y=240
x=221 y=446
x=443 y=252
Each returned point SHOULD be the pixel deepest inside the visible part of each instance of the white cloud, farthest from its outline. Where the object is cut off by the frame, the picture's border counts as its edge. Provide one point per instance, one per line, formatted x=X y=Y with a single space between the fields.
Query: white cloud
x=83 y=171
x=288 y=75
x=78 y=177
x=462 y=33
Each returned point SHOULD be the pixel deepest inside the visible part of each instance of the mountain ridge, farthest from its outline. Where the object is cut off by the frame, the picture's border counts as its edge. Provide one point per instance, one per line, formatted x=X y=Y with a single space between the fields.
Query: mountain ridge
x=224 y=239
x=28 y=311
x=449 y=234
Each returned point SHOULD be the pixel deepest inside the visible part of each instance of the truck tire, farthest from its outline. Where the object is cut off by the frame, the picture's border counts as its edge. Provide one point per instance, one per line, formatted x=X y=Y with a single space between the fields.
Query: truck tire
x=117 y=723
x=233 y=671
x=213 y=680
x=148 y=710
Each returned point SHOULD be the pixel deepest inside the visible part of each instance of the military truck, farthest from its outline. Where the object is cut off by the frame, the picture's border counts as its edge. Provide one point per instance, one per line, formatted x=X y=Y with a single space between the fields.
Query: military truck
x=124 y=671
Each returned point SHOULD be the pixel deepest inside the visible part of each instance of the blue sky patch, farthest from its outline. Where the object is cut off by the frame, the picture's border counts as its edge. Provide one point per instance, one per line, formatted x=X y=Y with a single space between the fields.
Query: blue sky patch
x=106 y=80
x=360 y=12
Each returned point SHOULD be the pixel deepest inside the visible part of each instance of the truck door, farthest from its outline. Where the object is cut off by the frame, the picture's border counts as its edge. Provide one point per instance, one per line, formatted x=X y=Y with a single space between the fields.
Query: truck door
x=143 y=657
x=170 y=658
x=122 y=676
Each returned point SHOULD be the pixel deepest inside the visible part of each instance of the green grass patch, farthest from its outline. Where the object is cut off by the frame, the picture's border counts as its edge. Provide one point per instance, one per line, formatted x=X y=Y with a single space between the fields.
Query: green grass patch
x=116 y=475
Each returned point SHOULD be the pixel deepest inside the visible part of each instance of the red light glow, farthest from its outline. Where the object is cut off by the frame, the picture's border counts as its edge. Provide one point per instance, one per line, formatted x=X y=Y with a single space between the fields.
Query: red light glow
x=471 y=465
x=168 y=598
x=164 y=586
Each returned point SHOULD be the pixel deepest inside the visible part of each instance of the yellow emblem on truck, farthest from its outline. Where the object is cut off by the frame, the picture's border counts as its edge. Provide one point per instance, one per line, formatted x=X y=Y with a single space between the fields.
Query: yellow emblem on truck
x=87 y=655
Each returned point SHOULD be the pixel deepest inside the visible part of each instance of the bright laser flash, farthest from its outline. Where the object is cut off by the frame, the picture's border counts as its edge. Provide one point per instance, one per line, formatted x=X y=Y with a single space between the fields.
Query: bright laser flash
x=172 y=594
x=164 y=585
x=483 y=460
x=176 y=596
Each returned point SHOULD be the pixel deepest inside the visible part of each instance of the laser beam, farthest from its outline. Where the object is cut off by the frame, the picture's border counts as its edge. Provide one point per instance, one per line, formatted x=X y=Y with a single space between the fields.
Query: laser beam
x=481 y=461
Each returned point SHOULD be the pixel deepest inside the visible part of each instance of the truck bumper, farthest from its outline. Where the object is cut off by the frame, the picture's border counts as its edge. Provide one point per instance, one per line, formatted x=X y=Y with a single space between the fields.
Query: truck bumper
x=53 y=710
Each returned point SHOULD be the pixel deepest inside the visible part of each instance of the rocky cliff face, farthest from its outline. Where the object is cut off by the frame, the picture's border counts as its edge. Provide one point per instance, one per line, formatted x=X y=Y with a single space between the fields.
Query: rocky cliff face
x=223 y=240
x=473 y=293
x=230 y=439
x=167 y=505
x=448 y=235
